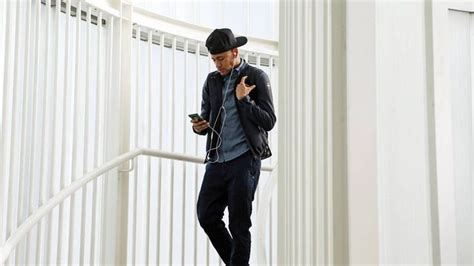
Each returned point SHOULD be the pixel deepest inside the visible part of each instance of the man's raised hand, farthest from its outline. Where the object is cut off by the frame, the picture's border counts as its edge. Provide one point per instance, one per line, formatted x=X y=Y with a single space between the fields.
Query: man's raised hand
x=243 y=89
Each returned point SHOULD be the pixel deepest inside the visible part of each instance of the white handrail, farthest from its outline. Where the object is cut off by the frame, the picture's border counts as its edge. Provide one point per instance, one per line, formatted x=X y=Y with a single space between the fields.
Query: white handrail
x=44 y=210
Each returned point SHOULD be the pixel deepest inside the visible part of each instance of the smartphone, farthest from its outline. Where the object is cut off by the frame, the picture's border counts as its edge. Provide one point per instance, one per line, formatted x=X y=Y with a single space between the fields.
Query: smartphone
x=195 y=117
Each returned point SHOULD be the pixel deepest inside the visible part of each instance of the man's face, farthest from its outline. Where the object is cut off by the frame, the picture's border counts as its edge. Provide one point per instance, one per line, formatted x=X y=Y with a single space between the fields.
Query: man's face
x=224 y=61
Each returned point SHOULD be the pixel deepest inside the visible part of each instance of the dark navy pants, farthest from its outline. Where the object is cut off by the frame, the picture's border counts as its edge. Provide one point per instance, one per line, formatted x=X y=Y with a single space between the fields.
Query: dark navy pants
x=230 y=184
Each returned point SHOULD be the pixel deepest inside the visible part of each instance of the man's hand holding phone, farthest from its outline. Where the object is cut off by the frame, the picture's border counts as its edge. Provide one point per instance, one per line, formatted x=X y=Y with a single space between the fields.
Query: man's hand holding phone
x=199 y=124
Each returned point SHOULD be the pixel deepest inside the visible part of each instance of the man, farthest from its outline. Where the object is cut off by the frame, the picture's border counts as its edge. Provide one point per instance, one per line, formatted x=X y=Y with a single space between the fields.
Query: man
x=237 y=111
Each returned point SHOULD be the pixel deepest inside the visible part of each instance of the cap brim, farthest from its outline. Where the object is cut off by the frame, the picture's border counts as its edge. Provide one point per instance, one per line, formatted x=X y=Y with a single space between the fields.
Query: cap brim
x=241 y=40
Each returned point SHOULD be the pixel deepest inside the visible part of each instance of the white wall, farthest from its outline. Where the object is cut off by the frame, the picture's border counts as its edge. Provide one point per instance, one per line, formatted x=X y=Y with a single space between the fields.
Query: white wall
x=452 y=32
x=423 y=157
x=402 y=134
x=461 y=41
x=387 y=133
x=402 y=189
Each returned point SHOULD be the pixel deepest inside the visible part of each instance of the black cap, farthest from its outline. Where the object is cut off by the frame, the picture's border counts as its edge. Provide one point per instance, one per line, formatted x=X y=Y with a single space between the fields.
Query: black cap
x=221 y=40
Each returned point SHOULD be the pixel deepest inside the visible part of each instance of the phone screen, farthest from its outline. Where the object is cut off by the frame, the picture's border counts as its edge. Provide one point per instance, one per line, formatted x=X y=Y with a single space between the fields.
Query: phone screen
x=195 y=117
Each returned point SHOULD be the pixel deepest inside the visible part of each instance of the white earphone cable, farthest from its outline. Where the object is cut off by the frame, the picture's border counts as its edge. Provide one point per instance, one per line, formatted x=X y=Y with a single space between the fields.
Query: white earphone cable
x=219 y=138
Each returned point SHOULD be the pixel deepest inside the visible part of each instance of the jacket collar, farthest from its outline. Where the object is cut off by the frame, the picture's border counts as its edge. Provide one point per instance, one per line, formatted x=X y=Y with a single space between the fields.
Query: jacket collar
x=240 y=68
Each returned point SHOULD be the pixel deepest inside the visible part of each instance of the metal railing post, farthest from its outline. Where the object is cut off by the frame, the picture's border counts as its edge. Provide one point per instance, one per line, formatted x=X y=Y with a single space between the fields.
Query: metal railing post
x=115 y=200
x=126 y=11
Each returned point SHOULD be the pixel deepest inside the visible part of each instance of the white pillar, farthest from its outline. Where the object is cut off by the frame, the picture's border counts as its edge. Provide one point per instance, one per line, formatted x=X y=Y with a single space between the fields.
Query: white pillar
x=361 y=134
x=305 y=125
x=453 y=41
x=405 y=168
x=115 y=223
x=124 y=122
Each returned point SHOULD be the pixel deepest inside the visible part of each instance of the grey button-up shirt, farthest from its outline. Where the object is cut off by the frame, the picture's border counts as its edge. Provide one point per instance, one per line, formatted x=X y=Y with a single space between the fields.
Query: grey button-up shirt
x=234 y=143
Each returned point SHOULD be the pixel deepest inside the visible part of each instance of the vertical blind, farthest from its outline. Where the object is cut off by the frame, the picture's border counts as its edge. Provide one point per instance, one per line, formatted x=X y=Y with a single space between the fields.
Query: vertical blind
x=55 y=79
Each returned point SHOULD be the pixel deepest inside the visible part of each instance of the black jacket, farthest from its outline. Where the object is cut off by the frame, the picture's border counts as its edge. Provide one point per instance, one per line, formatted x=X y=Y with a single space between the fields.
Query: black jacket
x=256 y=112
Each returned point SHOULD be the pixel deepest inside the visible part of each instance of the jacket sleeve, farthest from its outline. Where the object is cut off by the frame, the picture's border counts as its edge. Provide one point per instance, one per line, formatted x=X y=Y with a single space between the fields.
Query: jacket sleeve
x=205 y=107
x=260 y=110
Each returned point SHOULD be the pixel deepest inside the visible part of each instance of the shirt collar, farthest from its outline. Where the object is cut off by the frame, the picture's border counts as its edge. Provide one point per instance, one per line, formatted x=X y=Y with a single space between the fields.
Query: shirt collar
x=237 y=69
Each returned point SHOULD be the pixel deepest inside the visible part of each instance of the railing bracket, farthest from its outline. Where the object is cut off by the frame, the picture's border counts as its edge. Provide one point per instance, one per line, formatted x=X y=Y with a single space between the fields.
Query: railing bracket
x=129 y=169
